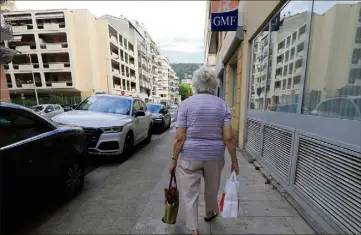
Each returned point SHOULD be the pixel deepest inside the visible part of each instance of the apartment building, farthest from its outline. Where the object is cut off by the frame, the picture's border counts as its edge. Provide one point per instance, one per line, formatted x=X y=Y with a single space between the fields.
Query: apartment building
x=58 y=58
x=6 y=54
x=149 y=62
x=291 y=75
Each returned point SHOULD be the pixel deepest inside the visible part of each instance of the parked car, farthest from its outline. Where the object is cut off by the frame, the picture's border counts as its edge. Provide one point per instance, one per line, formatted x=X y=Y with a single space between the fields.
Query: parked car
x=345 y=107
x=161 y=116
x=37 y=158
x=47 y=110
x=113 y=124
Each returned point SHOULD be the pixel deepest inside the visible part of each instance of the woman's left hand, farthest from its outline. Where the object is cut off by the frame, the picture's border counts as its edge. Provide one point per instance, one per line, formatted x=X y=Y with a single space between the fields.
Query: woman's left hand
x=172 y=166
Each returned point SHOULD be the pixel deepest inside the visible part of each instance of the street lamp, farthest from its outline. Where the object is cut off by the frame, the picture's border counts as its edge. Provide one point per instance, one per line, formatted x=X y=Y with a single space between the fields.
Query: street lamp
x=32 y=74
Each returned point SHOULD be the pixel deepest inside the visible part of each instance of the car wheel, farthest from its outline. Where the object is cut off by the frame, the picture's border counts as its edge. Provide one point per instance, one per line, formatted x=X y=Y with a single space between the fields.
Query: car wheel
x=149 y=136
x=128 y=145
x=73 y=179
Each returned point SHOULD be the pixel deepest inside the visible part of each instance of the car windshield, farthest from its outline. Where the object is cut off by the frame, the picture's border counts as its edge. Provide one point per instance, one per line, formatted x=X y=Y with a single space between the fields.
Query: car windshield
x=154 y=108
x=37 y=108
x=106 y=104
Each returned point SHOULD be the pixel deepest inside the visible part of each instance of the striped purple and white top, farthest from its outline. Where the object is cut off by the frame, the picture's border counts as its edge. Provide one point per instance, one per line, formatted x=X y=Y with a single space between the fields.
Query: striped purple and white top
x=204 y=116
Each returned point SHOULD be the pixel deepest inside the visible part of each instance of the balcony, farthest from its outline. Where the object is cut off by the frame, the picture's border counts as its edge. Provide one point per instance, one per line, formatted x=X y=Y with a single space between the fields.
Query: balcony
x=22 y=62
x=114 y=52
x=20 y=23
x=5 y=29
x=56 y=60
x=116 y=83
x=58 y=79
x=23 y=43
x=114 y=56
x=113 y=35
x=26 y=80
x=53 y=41
x=131 y=49
x=116 y=72
x=50 y=20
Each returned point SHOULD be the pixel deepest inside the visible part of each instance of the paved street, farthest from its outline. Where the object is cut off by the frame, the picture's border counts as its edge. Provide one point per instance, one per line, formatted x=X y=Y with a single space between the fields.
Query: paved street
x=128 y=199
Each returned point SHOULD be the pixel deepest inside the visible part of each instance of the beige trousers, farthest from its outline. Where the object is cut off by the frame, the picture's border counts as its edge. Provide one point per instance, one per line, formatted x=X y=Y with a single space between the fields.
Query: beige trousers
x=190 y=177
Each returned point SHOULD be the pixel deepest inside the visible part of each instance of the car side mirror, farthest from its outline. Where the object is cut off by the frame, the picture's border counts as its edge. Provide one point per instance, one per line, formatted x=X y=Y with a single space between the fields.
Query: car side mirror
x=139 y=113
x=47 y=110
x=74 y=106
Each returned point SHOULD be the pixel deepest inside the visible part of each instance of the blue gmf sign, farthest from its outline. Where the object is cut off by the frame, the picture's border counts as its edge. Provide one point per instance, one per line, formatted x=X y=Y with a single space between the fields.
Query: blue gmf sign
x=224 y=15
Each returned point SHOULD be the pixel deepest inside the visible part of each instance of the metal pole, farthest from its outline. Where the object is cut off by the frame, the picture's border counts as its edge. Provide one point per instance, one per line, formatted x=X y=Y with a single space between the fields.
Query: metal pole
x=32 y=73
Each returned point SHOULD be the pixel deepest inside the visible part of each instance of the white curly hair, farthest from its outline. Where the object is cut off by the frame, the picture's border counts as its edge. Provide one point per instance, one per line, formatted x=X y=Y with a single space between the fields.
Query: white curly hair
x=205 y=81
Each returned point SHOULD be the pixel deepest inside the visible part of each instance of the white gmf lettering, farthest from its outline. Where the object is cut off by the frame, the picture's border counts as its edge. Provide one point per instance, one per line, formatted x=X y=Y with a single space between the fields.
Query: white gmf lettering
x=227 y=20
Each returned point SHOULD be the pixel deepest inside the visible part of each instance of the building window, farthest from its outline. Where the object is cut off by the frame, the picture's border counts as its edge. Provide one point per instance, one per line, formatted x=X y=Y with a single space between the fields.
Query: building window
x=329 y=81
x=287 y=40
x=358 y=35
x=356 y=56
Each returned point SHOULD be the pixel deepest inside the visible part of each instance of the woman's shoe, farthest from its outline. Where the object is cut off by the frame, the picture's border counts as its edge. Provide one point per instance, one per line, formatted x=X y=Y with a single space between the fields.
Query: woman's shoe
x=210 y=218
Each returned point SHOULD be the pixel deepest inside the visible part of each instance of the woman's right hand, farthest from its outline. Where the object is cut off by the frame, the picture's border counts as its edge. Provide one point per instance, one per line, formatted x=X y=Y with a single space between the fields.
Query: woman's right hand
x=235 y=168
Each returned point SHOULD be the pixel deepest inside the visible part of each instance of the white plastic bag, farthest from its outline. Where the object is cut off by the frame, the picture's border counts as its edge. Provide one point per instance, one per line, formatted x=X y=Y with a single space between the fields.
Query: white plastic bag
x=231 y=202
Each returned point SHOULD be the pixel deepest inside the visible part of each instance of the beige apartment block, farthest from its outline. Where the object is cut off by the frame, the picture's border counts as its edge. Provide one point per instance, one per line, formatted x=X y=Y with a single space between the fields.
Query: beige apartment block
x=68 y=54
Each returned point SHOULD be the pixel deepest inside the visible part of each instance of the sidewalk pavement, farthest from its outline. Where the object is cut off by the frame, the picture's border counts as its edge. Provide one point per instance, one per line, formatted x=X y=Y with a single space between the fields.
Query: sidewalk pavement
x=131 y=201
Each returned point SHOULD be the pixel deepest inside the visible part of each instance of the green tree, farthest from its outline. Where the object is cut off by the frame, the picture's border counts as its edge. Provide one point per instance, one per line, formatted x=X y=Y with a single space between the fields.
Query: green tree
x=185 y=91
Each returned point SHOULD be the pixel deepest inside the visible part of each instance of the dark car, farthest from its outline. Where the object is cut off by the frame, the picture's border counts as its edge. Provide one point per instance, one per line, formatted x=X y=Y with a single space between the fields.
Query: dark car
x=161 y=116
x=38 y=159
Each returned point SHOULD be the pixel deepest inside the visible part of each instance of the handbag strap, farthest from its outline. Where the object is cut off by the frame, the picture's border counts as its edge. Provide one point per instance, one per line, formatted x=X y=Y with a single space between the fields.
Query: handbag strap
x=172 y=178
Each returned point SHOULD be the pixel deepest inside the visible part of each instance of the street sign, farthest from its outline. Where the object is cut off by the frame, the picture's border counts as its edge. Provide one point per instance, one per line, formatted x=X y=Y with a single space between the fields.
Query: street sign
x=224 y=15
x=122 y=92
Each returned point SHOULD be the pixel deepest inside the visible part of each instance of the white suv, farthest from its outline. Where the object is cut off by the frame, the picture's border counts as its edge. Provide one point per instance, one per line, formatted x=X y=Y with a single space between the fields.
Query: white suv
x=112 y=124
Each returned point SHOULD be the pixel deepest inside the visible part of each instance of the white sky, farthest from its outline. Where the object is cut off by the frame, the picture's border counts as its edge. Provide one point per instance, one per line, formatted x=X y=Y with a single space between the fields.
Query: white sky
x=176 y=26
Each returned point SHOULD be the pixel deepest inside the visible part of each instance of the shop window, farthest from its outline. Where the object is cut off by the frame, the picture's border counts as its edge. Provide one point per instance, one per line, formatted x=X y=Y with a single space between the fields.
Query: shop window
x=287 y=38
x=336 y=92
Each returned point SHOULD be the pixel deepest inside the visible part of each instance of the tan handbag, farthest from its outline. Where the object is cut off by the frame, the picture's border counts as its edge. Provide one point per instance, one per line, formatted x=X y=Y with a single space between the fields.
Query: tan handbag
x=171 y=202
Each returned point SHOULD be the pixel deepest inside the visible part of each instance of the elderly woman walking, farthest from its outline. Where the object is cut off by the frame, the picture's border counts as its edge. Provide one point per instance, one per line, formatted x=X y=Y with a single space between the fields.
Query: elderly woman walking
x=203 y=132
